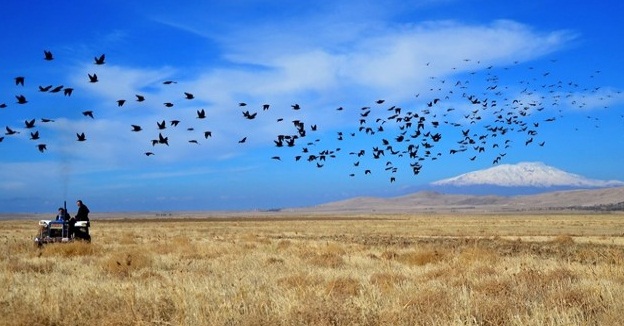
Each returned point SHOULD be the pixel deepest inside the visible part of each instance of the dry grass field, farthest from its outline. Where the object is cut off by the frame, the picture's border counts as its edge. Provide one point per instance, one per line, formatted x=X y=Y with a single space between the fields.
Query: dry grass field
x=437 y=269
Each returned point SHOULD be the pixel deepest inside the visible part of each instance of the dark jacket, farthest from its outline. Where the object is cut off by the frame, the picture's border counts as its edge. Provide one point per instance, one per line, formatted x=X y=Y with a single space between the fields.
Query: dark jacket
x=83 y=213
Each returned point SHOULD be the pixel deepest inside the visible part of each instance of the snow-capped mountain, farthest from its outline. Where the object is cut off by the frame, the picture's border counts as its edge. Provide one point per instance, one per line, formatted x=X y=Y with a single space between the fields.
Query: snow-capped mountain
x=525 y=174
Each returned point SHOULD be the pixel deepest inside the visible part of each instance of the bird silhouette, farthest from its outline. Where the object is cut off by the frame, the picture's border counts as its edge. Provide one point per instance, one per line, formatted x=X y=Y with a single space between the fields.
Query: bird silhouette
x=42 y=147
x=45 y=89
x=244 y=139
x=19 y=80
x=163 y=140
x=174 y=123
x=81 y=136
x=88 y=113
x=29 y=123
x=21 y=99
x=136 y=128
x=189 y=96
x=140 y=98
x=161 y=125
x=100 y=60
x=148 y=153
x=201 y=114
x=34 y=135
x=68 y=91
x=56 y=89
x=47 y=55
x=10 y=131
x=93 y=78
x=207 y=134
x=120 y=103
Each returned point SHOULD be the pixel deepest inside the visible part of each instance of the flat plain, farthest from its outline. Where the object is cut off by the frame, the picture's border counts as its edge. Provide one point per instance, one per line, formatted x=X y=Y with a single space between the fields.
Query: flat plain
x=319 y=269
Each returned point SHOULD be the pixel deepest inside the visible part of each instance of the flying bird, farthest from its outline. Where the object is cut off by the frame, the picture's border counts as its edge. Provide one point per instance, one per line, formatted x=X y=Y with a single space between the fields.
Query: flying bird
x=45 y=89
x=168 y=104
x=93 y=78
x=10 y=131
x=30 y=124
x=88 y=114
x=140 y=98
x=120 y=103
x=136 y=128
x=148 y=153
x=19 y=80
x=68 y=91
x=42 y=147
x=56 y=89
x=21 y=99
x=34 y=135
x=99 y=60
x=201 y=114
x=244 y=139
x=47 y=55
x=81 y=136
x=161 y=125
x=189 y=96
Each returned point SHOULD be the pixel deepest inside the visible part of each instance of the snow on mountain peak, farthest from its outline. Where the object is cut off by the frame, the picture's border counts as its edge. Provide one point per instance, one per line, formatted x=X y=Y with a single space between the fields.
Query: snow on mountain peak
x=525 y=174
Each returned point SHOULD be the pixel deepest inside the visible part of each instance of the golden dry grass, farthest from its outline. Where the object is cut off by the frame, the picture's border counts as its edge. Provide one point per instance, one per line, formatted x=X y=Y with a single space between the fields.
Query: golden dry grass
x=329 y=270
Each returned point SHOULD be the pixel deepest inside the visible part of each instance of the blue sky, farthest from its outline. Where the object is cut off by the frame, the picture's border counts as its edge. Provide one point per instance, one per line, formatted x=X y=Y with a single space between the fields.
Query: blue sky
x=549 y=71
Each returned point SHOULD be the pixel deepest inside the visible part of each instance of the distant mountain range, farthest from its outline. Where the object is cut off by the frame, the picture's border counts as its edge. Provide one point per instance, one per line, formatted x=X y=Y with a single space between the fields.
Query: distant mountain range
x=508 y=187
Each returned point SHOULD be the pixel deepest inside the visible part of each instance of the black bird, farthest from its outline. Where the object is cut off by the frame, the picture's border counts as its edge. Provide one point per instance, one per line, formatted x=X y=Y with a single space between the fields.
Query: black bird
x=46 y=120
x=136 y=128
x=244 y=139
x=242 y=104
x=93 y=78
x=174 y=123
x=3 y=106
x=120 y=103
x=161 y=125
x=10 y=131
x=29 y=124
x=45 y=89
x=47 y=55
x=19 y=80
x=68 y=91
x=265 y=107
x=21 y=99
x=99 y=60
x=169 y=82
x=163 y=140
x=295 y=106
x=201 y=114
x=56 y=89
x=34 y=135
x=41 y=147
x=140 y=98
x=81 y=136
x=193 y=141
x=168 y=104
x=207 y=134
x=148 y=153
x=189 y=96
x=88 y=114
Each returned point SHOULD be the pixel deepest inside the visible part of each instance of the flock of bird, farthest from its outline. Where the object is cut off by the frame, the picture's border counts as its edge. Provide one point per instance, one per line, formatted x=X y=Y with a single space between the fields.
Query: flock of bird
x=464 y=117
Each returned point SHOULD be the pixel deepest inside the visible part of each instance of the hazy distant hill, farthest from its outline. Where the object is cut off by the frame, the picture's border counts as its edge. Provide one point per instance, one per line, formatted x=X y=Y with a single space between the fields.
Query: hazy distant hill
x=594 y=199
